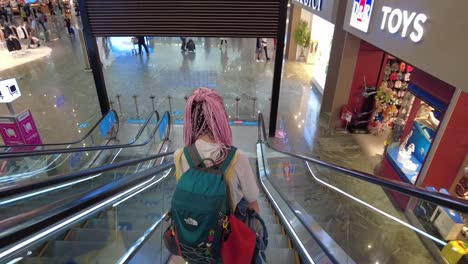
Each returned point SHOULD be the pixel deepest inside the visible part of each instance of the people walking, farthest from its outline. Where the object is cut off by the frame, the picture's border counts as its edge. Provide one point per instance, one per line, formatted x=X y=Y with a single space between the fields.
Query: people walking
x=183 y=47
x=258 y=50
x=223 y=40
x=9 y=13
x=141 y=42
x=41 y=19
x=264 y=44
x=68 y=26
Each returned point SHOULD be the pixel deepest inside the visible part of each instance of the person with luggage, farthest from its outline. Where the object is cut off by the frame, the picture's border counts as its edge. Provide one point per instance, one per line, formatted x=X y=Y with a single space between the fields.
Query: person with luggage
x=142 y=42
x=190 y=45
x=214 y=179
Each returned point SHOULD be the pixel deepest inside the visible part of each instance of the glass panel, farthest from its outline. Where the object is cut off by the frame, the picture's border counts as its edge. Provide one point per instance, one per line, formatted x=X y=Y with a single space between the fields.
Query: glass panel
x=81 y=129
x=38 y=167
x=362 y=221
x=106 y=236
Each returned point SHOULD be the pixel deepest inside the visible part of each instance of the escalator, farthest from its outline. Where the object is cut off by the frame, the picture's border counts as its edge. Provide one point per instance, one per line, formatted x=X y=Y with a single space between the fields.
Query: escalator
x=316 y=212
x=32 y=193
x=107 y=125
x=16 y=167
x=48 y=163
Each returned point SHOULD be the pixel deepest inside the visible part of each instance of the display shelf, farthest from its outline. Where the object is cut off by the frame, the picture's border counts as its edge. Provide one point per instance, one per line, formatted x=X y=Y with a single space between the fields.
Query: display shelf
x=392 y=155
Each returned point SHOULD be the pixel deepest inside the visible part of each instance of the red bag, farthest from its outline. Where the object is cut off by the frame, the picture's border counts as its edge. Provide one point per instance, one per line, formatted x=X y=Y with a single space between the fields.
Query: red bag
x=240 y=245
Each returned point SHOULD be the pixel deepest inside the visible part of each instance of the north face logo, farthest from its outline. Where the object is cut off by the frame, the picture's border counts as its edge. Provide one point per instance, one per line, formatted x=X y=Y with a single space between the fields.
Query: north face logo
x=191 y=221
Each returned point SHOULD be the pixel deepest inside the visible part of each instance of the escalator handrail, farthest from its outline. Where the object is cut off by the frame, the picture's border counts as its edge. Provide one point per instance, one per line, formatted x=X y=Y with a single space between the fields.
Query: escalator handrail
x=20 y=188
x=96 y=148
x=24 y=225
x=90 y=131
x=411 y=190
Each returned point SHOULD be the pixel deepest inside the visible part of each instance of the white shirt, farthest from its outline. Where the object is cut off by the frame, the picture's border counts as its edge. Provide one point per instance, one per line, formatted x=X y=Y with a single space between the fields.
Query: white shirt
x=243 y=182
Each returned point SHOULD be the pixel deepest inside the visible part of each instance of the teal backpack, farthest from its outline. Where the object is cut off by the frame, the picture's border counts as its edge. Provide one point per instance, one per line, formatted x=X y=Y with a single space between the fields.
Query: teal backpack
x=200 y=206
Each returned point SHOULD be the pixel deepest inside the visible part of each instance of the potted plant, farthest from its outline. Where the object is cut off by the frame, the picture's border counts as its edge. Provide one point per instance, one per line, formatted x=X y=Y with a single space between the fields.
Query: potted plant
x=302 y=36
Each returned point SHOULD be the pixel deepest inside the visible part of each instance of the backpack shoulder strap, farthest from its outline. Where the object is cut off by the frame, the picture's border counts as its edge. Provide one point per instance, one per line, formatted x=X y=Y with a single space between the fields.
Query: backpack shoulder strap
x=178 y=165
x=192 y=156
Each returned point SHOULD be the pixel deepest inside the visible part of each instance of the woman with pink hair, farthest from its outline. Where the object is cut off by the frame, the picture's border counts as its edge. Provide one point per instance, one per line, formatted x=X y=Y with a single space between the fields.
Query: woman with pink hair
x=206 y=125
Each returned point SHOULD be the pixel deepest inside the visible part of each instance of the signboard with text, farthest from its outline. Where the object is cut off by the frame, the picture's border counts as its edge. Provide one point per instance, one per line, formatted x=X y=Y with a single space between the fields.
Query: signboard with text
x=28 y=128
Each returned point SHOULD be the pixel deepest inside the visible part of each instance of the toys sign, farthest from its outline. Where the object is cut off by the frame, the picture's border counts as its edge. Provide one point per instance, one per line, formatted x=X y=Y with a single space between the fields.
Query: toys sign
x=9 y=90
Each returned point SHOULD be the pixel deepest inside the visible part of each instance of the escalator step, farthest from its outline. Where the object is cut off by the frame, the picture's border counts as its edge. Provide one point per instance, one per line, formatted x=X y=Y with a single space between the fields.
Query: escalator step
x=274 y=229
x=277 y=241
x=101 y=224
x=280 y=256
x=46 y=260
x=269 y=220
x=94 y=235
x=72 y=248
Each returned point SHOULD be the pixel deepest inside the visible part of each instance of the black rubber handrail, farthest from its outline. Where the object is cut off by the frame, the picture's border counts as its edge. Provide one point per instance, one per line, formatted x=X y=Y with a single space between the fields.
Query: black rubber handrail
x=91 y=130
x=20 y=188
x=24 y=225
x=81 y=149
x=411 y=190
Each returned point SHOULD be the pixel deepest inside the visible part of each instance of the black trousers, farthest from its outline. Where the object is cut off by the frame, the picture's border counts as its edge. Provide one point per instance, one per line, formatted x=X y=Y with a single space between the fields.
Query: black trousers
x=144 y=45
x=266 y=52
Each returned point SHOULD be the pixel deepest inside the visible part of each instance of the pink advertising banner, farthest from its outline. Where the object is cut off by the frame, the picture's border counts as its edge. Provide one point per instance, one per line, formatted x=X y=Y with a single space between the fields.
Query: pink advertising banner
x=10 y=132
x=28 y=128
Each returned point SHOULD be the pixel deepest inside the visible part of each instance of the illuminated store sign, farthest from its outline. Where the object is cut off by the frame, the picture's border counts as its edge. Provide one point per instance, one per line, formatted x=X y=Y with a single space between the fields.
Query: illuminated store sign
x=314 y=4
x=361 y=15
x=397 y=20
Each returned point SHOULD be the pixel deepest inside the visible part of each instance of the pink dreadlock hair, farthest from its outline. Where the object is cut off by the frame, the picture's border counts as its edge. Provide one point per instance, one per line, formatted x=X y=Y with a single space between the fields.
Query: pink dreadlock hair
x=205 y=115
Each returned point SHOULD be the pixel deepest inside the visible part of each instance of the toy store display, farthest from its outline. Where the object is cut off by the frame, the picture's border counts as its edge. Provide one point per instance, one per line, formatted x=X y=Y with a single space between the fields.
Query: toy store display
x=390 y=95
x=460 y=185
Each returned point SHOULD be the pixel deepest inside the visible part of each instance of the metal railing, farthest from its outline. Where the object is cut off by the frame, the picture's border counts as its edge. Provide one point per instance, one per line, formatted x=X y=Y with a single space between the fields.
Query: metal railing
x=90 y=131
x=80 y=149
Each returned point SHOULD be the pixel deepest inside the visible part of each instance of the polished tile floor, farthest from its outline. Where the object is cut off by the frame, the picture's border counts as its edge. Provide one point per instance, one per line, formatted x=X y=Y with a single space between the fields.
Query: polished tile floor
x=62 y=97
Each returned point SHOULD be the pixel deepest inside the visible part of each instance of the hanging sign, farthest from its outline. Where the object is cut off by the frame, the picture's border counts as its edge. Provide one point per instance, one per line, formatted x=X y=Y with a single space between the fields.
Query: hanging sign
x=9 y=90
x=314 y=4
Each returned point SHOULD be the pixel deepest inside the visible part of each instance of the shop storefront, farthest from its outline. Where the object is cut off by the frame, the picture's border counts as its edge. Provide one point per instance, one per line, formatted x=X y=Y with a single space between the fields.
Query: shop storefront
x=404 y=87
x=310 y=37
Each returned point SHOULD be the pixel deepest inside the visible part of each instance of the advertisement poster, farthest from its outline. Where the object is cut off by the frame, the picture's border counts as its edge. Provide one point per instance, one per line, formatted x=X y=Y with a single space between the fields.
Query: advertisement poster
x=10 y=132
x=28 y=128
x=106 y=125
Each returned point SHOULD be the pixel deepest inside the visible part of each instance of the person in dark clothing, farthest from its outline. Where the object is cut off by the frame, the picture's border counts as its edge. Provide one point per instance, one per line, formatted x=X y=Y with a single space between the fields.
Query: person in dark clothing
x=3 y=16
x=141 y=42
x=191 y=46
x=68 y=26
x=51 y=8
x=258 y=50
x=184 y=43
x=9 y=13
x=41 y=19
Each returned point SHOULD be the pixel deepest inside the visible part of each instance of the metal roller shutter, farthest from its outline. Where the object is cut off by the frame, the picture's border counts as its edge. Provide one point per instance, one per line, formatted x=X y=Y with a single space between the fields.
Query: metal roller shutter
x=207 y=18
